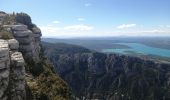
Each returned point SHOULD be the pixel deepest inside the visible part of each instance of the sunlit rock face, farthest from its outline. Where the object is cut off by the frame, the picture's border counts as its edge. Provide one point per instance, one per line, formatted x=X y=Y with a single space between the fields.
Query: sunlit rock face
x=12 y=71
x=25 y=45
x=4 y=68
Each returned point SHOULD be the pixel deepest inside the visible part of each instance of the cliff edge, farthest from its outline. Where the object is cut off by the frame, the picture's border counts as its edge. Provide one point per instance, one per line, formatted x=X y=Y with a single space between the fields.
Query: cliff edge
x=25 y=74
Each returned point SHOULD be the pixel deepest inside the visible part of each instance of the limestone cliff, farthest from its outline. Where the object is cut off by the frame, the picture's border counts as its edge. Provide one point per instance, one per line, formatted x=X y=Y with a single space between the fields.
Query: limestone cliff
x=25 y=74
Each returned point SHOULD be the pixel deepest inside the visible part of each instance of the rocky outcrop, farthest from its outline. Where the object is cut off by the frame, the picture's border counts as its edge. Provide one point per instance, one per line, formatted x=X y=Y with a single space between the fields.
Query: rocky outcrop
x=25 y=74
x=26 y=42
x=29 y=41
x=12 y=71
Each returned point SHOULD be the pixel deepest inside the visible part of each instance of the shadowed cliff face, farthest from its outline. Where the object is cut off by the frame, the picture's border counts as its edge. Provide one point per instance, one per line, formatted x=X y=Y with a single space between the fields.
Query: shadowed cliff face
x=111 y=77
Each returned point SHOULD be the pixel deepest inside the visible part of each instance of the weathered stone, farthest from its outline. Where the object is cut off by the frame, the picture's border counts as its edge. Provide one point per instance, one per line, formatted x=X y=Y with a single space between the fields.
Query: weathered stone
x=4 y=59
x=19 y=73
x=4 y=74
x=36 y=35
x=36 y=30
x=19 y=27
x=17 y=59
x=2 y=65
x=3 y=47
x=13 y=44
x=3 y=87
x=25 y=41
x=20 y=85
x=4 y=55
x=26 y=48
x=24 y=33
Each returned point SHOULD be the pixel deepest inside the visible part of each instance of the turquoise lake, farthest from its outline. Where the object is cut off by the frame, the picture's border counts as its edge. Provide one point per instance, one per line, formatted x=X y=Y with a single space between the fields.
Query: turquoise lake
x=140 y=48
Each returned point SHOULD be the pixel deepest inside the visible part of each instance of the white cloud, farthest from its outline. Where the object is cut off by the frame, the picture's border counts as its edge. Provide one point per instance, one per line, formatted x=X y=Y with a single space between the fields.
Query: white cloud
x=56 y=22
x=80 y=19
x=126 y=26
x=66 y=31
x=83 y=30
x=78 y=28
x=87 y=4
x=49 y=30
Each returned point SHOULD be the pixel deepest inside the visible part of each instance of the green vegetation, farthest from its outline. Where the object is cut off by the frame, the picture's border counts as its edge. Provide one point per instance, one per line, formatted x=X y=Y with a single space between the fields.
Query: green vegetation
x=23 y=18
x=46 y=85
x=8 y=19
x=108 y=76
x=5 y=34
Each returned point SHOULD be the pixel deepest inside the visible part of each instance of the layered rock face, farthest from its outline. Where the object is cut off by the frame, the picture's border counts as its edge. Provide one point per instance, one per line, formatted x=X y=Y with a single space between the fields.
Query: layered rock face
x=12 y=66
x=29 y=40
x=25 y=74
x=12 y=71
x=4 y=68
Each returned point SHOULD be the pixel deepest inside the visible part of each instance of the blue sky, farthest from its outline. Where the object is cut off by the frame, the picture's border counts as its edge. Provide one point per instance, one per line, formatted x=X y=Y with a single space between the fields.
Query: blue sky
x=86 y=18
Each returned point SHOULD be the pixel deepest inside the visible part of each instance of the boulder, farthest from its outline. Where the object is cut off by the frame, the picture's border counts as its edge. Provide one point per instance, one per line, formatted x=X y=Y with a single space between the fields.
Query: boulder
x=13 y=44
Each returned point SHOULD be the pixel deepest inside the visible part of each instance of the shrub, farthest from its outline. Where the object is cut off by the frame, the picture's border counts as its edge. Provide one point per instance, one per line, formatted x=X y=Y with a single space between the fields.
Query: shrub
x=5 y=35
x=9 y=19
x=47 y=85
x=23 y=18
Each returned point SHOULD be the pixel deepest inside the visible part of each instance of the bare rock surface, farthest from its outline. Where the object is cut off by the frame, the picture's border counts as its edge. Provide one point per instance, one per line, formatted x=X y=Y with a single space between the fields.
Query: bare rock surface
x=12 y=71
x=4 y=68
x=29 y=40
x=13 y=44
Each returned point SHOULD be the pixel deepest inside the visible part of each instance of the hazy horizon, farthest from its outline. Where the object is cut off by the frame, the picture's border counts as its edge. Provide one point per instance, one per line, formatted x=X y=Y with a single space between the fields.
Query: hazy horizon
x=100 y=37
